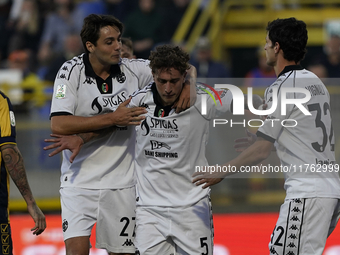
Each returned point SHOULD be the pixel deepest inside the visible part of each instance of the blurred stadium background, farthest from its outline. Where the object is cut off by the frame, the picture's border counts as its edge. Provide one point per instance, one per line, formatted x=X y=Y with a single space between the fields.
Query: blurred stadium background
x=245 y=208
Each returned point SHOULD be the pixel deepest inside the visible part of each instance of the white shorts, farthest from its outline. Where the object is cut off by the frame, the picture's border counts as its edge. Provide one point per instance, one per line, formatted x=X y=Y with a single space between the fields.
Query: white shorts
x=304 y=225
x=112 y=210
x=170 y=230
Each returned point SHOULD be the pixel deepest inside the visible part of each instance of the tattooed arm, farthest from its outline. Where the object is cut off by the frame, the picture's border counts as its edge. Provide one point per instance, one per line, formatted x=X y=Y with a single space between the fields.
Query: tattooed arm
x=14 y=163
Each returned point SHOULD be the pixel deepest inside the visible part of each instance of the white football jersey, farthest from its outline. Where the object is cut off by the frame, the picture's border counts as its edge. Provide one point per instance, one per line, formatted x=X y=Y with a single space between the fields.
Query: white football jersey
x=106 y=163
x=168 y=148
x=304 y=143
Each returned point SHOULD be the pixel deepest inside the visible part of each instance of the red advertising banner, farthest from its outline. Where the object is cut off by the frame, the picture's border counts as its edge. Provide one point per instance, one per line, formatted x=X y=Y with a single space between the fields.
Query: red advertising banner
x=235 y=234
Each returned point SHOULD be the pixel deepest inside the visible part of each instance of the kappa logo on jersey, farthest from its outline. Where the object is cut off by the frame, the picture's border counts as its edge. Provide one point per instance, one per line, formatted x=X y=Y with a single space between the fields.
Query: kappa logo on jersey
x=297 y=200
x=170 y=126
x=296 y=209
x=121 y=77
x=158 y=145
x=108 y=102
x=273 y=251
x=291 y=245
x=294 y=218
x=88 y=80
x=64 y=69
x=137 y=252
x=292 y=236
x=294 y=227
x=128 y=242
x=145 y=106
x=65 y=225
x=62 y=76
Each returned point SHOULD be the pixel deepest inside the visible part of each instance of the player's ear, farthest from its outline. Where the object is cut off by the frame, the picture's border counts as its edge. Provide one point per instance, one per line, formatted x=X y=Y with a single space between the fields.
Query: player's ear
x=89 y=46
x=277 y=47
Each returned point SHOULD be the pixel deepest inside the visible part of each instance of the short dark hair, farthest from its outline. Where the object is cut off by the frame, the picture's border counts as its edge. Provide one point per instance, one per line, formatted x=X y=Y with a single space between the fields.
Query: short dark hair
x=291 y=34
x=128 y=43
x=92 y=25
x=169 y=56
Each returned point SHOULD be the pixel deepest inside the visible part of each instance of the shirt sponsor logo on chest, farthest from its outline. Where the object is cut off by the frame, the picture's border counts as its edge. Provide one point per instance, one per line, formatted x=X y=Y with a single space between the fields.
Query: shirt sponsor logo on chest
x=100 y=103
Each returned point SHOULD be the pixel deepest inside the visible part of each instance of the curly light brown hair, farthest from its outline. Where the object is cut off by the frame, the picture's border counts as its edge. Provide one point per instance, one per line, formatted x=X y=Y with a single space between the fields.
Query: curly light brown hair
x=169 y=56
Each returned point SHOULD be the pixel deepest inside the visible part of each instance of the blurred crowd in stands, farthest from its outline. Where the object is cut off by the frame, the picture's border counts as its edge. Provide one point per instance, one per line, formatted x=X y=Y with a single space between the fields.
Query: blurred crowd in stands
x=37 y=36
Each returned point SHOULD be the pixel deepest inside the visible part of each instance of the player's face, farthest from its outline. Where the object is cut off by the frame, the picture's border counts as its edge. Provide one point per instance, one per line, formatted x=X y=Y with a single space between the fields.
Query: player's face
x=169 y=85
x=270 y=53
x=107 y=50
x=126 y=52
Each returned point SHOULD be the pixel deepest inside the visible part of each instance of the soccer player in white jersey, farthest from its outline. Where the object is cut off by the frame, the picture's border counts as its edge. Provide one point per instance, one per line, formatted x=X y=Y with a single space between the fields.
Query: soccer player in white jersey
x=173 y=216
x=91 y=92
x=310 y=211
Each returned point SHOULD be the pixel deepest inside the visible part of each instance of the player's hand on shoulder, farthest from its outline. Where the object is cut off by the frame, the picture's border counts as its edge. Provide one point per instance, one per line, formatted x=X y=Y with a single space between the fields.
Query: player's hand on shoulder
x=125 y=116
x=186 y=99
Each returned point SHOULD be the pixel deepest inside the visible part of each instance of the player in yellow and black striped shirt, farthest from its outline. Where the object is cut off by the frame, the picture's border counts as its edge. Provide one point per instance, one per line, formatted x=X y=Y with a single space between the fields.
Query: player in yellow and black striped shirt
x=12 y=164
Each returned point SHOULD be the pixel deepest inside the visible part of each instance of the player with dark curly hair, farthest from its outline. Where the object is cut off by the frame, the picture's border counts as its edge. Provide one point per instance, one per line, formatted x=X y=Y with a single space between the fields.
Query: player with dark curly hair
x=175 y=214
x=167 y=57
x=165 y=195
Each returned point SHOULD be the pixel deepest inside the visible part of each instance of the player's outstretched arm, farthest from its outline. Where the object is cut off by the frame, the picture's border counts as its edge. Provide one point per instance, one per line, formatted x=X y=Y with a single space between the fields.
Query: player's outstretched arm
x=253 y=155
x=241 y=144
x=188 y=95
x=123 y=116
x=15 y=165
x=74 y=143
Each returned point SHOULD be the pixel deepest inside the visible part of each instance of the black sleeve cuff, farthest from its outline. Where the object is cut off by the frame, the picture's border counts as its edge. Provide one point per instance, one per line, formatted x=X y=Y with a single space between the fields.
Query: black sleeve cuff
x=59 y=114
x=266 y=137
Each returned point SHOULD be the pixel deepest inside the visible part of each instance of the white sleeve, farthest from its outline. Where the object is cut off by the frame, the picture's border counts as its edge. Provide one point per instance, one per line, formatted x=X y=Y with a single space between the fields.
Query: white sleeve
x=137 y=98
x=226 y=99
x=272 y=128
x=142 y=69
x=134 y=101
x=64 y=99
x=212 y=101
x=221 y=103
